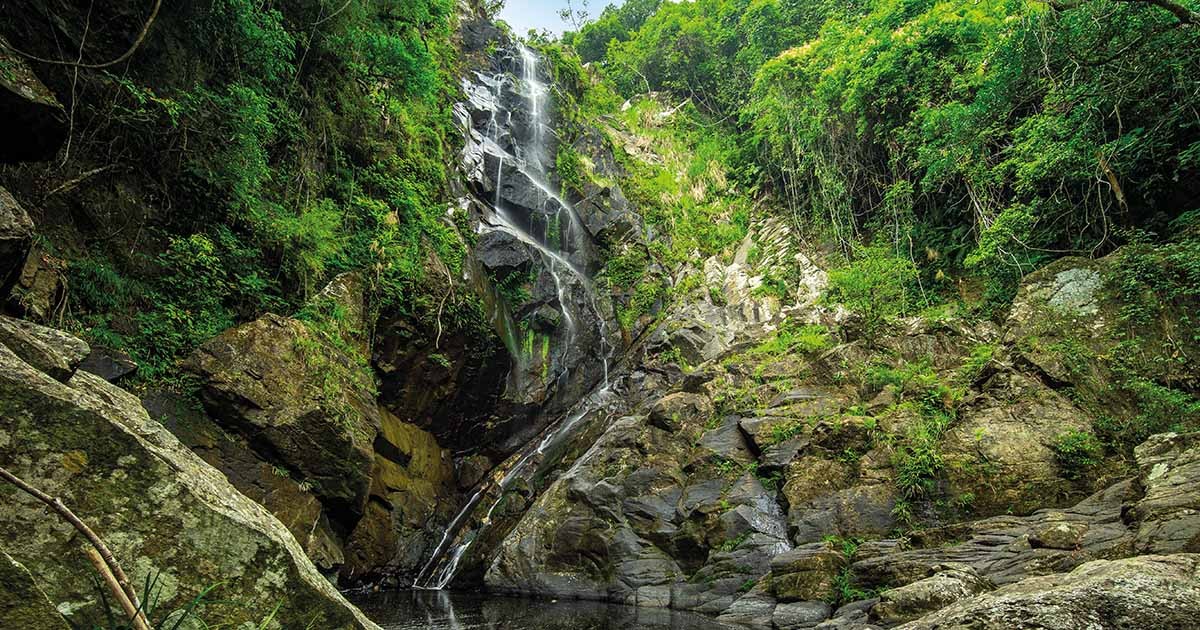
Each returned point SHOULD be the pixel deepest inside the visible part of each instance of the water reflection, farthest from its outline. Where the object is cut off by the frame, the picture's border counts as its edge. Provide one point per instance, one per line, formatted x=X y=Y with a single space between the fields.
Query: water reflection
x=444 y=610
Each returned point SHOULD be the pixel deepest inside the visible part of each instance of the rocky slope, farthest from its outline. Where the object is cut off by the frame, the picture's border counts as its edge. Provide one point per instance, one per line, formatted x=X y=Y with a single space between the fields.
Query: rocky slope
x=769 y=488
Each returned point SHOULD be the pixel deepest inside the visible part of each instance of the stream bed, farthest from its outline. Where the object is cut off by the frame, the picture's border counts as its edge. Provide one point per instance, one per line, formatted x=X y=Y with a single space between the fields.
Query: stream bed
x=410 y=610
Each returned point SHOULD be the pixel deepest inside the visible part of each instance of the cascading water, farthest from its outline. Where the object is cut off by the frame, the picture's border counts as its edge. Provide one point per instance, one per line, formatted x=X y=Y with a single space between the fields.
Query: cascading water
x=564 y=239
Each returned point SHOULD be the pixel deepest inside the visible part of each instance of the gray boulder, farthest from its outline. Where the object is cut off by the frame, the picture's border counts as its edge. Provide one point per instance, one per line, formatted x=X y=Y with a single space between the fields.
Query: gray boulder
x=52 y=351
x=1148 y=592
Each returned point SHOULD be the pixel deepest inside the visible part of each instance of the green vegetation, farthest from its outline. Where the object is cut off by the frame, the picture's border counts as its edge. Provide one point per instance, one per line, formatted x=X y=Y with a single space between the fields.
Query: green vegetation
x=1077 y=452
x=975 y=140
x=301 y=152
x=792 y=337
x=876 y=283
x=844 y=588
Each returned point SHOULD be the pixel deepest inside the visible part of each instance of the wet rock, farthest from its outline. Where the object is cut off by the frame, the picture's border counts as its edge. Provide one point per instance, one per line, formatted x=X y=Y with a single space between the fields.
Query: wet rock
x=50 y=350
x=947 y=585
x=301 y=402
x=163 y=510
x=16 y=235
x=471 y=471
x=34 y=123
x=23 y=604
x=1144 y=593
x=110 y=365
x=502 y=253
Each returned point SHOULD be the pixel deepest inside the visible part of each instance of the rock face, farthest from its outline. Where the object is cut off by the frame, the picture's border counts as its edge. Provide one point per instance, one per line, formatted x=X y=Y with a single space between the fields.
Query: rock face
x=1169 y=509
x=290 y=416
x=292 y=393
x=34 y=123
x=162 y=510
x=40 y=289
x=760 y=465
x=16 y=234
x=1148 y=592
x=412 y=476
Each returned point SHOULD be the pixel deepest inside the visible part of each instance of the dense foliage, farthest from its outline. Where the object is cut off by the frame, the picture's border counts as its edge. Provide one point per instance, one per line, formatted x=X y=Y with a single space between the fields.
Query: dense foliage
x=980 y=139
x=300 y=139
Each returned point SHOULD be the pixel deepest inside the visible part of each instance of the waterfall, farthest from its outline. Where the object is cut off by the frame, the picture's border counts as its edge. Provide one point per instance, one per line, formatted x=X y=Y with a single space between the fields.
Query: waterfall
x=442 y=566
x=560 y=241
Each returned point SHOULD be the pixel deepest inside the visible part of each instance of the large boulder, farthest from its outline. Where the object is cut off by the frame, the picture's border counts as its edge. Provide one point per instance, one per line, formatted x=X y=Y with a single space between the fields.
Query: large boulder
x=1168 y=513
x=305 y=405
x=163 y=511
x=271 y=485
x=1002 y=448
x=1144 y=593
x=947 y=585
x=16 y=235
x=34 y=124
x=52 y=351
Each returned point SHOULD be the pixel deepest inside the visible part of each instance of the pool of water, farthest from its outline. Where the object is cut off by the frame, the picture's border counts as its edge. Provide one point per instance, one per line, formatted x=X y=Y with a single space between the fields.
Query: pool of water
x=409 y=610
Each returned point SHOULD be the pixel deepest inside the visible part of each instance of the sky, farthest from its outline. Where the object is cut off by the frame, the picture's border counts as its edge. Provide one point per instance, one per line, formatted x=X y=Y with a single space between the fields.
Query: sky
x=523 y=15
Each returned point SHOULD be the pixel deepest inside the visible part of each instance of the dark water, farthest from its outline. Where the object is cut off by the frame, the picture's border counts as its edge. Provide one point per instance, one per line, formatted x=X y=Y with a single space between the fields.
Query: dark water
x=409 y=610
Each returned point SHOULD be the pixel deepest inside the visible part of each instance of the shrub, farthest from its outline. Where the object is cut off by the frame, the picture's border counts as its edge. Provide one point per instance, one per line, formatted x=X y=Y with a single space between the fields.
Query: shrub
x=1077 y=452
x=876 y=283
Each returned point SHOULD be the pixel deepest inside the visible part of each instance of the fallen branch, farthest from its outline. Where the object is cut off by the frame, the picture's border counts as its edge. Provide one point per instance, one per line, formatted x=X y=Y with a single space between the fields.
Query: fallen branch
x=122 y=589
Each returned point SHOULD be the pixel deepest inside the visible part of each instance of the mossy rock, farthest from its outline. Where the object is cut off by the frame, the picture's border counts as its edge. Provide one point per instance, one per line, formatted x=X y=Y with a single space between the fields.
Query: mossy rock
x=163 y=511
x=22 y=603
x=304 y=404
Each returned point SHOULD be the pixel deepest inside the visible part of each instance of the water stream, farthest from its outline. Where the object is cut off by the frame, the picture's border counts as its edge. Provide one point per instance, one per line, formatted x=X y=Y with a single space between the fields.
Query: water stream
x=446 y=610
x=560 y=241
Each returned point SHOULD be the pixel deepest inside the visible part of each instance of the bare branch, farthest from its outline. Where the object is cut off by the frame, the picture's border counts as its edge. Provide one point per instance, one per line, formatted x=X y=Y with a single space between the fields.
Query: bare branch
x=95 y=66
x=123 y=590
